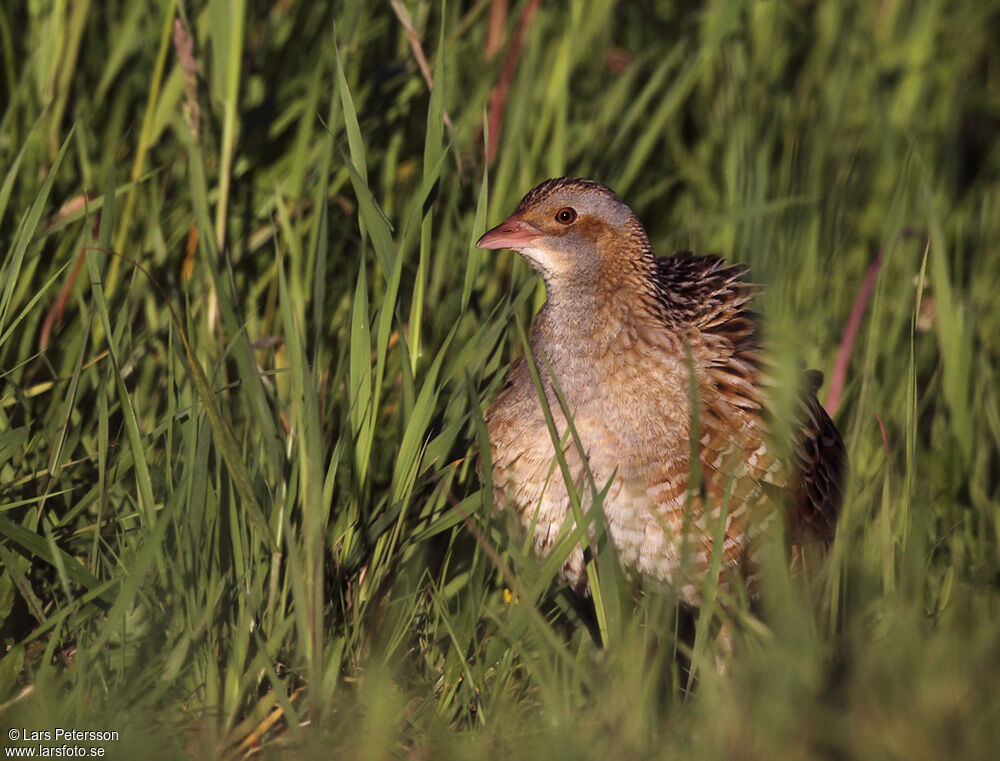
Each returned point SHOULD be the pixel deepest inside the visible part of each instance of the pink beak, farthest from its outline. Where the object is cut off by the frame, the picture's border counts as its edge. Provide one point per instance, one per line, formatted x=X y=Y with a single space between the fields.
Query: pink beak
x=513 y=233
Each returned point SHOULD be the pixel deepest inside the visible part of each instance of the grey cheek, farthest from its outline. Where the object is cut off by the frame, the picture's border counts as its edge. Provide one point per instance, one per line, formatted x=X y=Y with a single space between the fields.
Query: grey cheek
x=567 y=244
x=610 y=210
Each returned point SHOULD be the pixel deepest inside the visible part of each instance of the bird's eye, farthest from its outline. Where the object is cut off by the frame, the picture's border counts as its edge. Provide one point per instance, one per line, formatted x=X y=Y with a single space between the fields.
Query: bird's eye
x=566 y=215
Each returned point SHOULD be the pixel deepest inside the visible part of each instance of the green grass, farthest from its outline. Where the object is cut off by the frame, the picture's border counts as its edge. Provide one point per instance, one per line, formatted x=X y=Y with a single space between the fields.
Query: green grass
x=246 y=343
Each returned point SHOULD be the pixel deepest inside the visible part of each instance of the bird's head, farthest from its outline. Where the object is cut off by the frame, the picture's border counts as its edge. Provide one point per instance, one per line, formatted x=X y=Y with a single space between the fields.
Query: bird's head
x=572 y=230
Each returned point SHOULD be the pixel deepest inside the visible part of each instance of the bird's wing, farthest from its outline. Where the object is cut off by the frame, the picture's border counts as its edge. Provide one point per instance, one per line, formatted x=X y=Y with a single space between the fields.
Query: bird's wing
x=820 y=461
x=706 y=293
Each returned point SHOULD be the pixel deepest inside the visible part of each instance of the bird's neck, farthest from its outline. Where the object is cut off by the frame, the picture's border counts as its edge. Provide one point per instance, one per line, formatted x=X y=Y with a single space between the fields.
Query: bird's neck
x=582 y=323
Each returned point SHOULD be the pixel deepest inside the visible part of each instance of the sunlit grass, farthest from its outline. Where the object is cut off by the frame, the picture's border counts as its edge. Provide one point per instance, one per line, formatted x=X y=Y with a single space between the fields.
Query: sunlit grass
x=245 y=511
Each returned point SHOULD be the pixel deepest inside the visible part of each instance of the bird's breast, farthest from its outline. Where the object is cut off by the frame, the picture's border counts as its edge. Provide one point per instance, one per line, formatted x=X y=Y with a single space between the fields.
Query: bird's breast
x=632 y=421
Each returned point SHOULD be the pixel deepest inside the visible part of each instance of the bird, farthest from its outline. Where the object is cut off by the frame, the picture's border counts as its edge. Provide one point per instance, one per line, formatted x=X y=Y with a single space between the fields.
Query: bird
x=652 y=359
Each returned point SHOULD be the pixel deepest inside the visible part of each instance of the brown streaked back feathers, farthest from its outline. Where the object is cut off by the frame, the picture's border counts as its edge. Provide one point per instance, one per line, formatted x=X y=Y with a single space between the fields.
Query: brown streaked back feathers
x=707 y=293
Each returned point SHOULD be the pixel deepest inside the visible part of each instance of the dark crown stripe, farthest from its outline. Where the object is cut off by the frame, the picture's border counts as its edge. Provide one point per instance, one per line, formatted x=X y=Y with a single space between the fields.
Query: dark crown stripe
x=542 y=191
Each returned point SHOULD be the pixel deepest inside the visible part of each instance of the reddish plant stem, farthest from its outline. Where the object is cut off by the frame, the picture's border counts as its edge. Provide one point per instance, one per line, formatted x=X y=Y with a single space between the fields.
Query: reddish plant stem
x=53 y=318
x=403 y=15
x=495 y=27
x=838 y=377
x=498 y=98
x=839 y=374
x=885 y=435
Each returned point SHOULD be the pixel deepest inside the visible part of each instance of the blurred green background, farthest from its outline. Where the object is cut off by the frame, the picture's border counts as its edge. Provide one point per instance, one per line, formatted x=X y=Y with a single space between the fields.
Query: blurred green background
x=246 y=343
